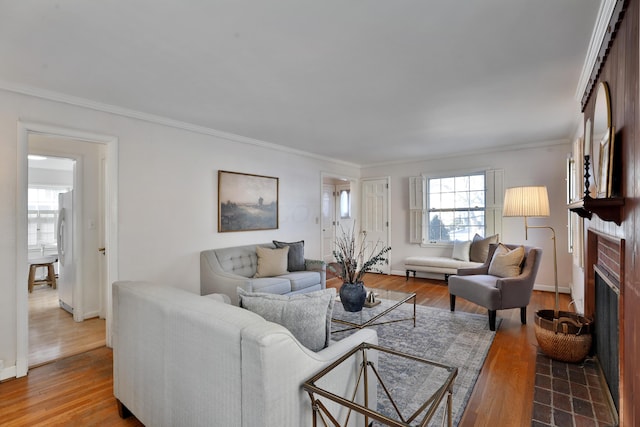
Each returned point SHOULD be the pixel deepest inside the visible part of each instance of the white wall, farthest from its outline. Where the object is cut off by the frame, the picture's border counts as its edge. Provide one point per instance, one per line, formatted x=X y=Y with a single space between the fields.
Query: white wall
x=535 y=166
x=167 y=207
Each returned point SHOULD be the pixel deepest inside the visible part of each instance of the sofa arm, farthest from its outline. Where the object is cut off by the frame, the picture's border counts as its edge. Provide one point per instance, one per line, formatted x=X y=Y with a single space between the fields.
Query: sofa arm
x=319 y=266
x=516 y=291
x=274 y=367
x=213 y=279
x=219 y=297
x=314 y=265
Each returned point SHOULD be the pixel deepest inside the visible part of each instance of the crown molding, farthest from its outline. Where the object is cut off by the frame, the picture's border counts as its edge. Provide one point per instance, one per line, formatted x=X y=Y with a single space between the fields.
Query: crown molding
x=155 y=119
x=488 y=150
x=609 y=15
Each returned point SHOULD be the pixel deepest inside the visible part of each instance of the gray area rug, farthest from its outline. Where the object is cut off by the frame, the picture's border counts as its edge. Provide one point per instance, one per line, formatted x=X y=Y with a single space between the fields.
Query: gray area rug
x=456 y=339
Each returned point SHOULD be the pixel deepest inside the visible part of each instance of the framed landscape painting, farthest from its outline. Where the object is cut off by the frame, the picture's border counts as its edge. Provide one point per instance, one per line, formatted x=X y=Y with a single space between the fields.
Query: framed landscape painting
x=247 y=202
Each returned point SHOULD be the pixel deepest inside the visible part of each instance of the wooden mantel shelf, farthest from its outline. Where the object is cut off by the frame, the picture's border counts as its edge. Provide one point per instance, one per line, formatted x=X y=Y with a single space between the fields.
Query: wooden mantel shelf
x=608 y=209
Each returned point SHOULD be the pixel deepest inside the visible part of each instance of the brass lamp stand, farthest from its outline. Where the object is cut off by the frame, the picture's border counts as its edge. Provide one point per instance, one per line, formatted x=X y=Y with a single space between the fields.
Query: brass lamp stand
x=562 y=335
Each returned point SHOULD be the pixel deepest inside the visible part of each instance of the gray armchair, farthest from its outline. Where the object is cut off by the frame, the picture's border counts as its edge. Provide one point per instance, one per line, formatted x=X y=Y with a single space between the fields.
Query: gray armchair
x=497 y=293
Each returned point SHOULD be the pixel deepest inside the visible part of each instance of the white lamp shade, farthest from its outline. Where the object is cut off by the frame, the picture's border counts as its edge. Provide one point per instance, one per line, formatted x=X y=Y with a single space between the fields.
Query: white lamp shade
x=526 y=201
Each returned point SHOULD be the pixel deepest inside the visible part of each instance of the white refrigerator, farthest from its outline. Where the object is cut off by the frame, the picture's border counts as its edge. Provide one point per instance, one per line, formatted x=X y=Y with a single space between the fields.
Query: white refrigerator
x=66 y=259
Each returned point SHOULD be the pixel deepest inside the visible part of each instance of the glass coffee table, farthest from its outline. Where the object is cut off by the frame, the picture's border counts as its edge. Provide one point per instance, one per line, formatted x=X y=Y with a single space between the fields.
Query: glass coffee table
x=370 y=316
x=427 y=402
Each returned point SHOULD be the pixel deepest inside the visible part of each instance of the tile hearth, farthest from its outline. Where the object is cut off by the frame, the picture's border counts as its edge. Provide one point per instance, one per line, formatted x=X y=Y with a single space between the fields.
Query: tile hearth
x=569 y=394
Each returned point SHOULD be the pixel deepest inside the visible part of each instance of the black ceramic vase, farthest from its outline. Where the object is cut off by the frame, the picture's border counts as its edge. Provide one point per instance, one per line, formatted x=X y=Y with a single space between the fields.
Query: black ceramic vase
x=352 y=296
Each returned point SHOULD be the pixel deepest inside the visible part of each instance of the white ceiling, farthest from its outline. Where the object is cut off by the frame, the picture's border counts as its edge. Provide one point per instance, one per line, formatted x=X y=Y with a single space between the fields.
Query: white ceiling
x=365 y=81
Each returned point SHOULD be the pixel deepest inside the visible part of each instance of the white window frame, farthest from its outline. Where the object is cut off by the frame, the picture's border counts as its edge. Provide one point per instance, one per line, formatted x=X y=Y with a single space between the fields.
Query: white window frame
x=40 y=216
x=419 y=209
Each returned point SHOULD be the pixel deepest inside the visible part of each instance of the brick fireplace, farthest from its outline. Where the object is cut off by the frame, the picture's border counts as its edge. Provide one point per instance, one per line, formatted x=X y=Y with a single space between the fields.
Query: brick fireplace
x=604 y=299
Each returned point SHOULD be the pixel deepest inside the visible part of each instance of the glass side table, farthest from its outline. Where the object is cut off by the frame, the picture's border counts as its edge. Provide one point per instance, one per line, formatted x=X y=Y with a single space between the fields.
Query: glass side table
x=396 y=414
x=369 y=316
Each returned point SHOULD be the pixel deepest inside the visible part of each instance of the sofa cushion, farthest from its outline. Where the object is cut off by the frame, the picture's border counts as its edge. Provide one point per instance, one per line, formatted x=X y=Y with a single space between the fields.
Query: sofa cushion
x=302 y=279
x=461 y=250
x=505 y=262
x=271 y=262
x=306 y=316
x=480 y=247
x=295 y=260
x=437 y=262
x=273 y=285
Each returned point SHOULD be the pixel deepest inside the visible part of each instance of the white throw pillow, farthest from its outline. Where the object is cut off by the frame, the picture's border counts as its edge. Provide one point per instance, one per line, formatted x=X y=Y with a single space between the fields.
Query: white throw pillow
x=461 y=250
x=271 y=262
x=307 y=316
x=505 y=262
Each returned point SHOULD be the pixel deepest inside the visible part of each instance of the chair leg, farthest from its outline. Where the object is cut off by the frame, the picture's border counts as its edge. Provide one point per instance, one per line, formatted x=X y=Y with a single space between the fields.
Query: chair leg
x=32 y=276
x=123 y=411
x=523 y=315
x=452 y=302
x=492 y=320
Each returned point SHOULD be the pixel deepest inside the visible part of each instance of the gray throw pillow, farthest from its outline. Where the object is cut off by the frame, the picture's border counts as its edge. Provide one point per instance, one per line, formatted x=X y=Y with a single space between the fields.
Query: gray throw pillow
x=296 y=254
x=307 y=316
x=480 y=247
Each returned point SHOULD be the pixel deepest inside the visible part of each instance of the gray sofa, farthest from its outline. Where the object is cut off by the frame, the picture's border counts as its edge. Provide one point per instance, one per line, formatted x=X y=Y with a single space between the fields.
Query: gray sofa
x=223 y=270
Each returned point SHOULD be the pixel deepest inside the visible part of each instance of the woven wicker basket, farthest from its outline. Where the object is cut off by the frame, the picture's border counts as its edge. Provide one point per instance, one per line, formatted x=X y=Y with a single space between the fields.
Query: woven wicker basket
x=565 y=337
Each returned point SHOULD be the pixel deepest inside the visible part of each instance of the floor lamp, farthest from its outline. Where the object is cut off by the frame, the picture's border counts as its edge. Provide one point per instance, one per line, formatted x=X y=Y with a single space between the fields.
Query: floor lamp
x=561 y=335
x=532 y=201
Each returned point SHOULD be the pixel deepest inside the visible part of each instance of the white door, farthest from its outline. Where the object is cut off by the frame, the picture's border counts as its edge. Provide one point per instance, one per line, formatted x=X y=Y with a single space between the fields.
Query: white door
x=375 y=216
x=328 y=222
x=66 y=256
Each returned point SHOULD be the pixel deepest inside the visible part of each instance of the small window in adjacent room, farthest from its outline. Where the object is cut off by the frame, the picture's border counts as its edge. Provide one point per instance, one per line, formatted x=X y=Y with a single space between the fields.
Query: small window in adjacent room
x=345 y=203
x=456 y=207
x=43 y=216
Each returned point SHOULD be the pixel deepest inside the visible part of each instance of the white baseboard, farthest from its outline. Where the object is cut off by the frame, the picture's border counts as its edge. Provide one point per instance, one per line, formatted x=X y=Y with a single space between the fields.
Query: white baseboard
x=91 y=315
x=549 y=288
x=9 y=372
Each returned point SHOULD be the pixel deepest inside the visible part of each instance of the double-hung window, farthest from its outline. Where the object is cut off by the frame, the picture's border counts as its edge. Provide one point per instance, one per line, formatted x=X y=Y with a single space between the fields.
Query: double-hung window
x=444 y=209
x=455 y=207
x=43 y=217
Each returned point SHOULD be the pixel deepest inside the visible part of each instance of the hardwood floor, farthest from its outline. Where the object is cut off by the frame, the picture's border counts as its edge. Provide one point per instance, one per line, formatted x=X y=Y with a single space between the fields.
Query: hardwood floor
x=53 y=334
x=79 y=389
x=503 y=393
x=74 y=391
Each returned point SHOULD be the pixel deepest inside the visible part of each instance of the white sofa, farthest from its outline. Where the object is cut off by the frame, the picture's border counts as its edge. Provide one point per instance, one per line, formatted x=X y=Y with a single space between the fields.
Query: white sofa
x=180 y=359
x=469 y=254
x=224 y=270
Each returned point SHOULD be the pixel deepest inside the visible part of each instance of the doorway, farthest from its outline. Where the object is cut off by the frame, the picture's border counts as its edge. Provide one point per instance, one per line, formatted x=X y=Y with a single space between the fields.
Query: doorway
x=375 y=217
x=338 y=210
x=96 y=229
x=63 y=194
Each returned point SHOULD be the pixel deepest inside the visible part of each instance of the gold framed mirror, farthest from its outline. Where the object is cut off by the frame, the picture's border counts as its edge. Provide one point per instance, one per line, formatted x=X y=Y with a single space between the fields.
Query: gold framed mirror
x=601 y=146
